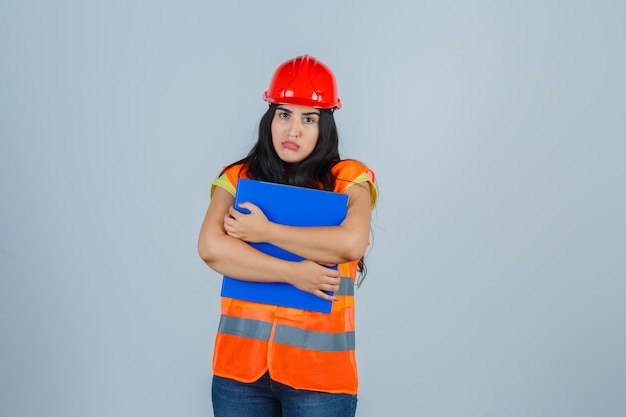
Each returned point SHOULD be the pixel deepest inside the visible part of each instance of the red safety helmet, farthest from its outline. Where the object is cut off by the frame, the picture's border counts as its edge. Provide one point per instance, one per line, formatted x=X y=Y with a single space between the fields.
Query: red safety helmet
x=304 y=81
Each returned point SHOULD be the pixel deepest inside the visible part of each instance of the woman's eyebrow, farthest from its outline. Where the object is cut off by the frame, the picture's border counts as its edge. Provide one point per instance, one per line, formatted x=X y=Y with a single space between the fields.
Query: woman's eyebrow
x=316 y=113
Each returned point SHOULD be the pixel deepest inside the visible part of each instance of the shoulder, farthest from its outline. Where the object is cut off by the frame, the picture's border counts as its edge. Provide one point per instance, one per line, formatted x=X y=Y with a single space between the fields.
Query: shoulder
x=236 y=171
x=349 y=172
x=229 y=177
x=351 y=169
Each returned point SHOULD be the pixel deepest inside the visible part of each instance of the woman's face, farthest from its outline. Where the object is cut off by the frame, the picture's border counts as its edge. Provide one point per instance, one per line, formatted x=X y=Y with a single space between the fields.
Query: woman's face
x=295 y=130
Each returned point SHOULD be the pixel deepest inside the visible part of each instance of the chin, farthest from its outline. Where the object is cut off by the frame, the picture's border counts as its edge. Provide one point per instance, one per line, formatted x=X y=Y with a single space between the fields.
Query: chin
x=291 y=160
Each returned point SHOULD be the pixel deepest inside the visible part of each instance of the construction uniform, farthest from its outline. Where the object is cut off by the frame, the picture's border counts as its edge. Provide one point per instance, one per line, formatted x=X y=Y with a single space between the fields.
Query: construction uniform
x=302 y=349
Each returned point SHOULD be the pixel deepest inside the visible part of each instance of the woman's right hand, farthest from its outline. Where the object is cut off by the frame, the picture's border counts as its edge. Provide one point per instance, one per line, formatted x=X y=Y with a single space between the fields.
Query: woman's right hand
x=311 y=277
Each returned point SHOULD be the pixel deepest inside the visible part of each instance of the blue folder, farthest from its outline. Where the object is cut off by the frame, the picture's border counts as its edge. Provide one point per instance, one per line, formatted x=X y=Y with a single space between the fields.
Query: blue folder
x=292 y=206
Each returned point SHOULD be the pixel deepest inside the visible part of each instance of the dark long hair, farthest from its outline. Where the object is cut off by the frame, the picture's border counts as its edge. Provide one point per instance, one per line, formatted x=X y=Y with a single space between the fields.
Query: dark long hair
x=315 y=171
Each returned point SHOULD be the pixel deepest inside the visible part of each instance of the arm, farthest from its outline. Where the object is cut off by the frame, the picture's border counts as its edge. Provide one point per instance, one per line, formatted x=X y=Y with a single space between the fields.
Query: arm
x=231 y=256
x=331 y=245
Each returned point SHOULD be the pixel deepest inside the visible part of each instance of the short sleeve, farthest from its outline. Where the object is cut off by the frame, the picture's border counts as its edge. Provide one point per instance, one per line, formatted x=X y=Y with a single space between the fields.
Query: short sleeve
x=349 y=172
x=224 y=183
x=228 y=179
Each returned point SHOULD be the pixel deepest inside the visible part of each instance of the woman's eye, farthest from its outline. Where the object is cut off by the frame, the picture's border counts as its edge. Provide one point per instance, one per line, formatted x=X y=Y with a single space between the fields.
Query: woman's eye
x=284 y=115
x=309 y=120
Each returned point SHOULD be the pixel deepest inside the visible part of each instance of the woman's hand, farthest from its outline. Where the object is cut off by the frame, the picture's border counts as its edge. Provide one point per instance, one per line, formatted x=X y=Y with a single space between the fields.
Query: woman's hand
x=315 y=278
x=250 y=227
x=306 y=275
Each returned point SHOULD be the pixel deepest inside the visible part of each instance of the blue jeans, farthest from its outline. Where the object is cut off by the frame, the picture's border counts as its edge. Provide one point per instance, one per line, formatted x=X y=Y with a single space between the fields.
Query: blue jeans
x=268 y=398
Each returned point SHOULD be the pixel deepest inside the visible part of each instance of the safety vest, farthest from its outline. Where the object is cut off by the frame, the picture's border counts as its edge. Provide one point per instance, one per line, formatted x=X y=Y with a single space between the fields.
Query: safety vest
x=299 y=348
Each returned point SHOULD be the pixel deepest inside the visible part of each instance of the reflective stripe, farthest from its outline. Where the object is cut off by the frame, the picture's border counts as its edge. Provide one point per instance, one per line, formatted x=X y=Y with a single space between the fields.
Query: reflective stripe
x=309 y=339
x=253 y=329
x=346 y=286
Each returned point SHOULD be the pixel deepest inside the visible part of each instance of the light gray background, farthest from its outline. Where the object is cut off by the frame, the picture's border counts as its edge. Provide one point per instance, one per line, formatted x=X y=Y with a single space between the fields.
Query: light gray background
x=497 y=130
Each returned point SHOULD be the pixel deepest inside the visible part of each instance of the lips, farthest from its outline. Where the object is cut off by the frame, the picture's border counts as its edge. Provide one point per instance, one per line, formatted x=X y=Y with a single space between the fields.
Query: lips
x=288 y=144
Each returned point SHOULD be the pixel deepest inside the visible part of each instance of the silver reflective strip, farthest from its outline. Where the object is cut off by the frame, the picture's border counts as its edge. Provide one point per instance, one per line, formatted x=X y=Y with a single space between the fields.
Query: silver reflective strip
x=253 y=329
x=346 y=286
x=308 y=339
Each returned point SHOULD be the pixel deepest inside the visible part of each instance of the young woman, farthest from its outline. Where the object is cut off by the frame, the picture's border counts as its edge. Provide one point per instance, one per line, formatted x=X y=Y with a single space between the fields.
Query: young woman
x=278 y=361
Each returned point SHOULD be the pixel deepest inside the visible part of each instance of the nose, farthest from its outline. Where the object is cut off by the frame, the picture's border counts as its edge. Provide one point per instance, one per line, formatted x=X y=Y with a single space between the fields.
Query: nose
x=294 y=128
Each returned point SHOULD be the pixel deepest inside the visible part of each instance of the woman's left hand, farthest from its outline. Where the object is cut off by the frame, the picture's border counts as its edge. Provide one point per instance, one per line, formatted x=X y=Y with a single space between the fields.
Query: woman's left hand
x=250 y=227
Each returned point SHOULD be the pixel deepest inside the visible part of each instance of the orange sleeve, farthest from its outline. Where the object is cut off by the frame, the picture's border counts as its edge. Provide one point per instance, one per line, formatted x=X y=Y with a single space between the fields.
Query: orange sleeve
x=349 y=172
